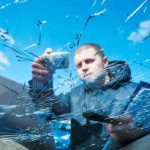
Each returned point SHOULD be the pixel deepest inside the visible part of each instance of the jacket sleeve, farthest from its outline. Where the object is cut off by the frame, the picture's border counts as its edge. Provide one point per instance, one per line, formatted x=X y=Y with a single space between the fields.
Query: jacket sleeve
x=43 y=97
x=139 y=106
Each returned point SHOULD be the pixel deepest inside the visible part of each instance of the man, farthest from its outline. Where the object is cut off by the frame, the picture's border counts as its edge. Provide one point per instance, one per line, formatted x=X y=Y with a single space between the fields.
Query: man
x=106 y=90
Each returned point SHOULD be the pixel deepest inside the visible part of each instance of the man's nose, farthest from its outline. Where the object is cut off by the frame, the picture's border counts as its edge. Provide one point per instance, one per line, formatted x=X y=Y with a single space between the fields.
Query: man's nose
x=84 y=67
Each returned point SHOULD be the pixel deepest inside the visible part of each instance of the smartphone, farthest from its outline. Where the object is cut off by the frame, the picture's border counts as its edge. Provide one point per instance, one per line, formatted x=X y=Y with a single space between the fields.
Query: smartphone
x=100 y=118
x=57 y=60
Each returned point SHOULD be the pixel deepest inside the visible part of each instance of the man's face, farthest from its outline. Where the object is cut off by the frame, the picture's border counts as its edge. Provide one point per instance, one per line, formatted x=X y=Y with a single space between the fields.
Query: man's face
x=90 y=66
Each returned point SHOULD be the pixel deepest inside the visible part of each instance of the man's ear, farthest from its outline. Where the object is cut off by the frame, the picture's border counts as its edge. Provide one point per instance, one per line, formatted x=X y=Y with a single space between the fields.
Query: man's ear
x=105 y=61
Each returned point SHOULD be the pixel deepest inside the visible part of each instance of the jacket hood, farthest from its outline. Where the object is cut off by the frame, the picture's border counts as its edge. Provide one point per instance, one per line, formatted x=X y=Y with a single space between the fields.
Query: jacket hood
x=119 y=72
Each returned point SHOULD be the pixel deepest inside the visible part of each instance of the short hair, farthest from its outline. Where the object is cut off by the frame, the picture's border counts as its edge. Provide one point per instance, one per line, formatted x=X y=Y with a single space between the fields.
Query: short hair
x=98 y=49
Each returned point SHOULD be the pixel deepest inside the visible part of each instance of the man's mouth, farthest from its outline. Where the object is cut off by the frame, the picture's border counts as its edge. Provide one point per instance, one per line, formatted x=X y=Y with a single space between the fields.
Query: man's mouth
x=86 y=75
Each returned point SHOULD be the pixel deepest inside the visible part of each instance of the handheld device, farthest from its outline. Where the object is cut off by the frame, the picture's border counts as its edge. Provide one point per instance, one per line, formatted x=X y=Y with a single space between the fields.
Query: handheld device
x=58 y=60
x=101 y=118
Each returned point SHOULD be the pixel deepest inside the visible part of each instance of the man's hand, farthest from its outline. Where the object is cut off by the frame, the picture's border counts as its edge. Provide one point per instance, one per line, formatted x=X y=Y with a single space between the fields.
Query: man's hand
x=126 y=131
x=39 y=70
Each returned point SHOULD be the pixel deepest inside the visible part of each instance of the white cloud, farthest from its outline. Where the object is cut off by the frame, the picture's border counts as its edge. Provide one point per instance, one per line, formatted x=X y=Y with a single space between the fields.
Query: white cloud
x=142 y=32
x=2 y=68
x=4 y=35
x=4 y=59
x=10 y=39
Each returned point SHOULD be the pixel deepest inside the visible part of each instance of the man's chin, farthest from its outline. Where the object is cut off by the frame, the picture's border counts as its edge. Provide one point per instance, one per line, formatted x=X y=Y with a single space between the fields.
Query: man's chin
x=89 y=81
x=94 y=81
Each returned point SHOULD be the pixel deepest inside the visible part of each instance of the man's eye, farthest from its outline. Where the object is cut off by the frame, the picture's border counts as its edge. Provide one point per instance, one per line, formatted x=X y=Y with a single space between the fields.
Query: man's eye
x=88 y=61
x=79 y=65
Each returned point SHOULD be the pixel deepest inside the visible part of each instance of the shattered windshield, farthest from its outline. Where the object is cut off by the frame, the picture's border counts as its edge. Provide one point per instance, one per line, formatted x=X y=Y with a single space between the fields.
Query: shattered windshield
x=31 y=109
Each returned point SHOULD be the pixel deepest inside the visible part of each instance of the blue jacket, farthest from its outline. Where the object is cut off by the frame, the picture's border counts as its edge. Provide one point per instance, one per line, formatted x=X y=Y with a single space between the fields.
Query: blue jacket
x=111 y=100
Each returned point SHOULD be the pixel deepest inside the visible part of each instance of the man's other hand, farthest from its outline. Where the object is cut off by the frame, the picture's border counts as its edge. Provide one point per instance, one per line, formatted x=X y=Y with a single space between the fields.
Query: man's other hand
x=126 y=131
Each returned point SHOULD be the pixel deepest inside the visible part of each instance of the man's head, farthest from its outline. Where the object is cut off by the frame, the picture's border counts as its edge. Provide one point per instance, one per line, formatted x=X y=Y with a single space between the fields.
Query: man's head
x=91 y=63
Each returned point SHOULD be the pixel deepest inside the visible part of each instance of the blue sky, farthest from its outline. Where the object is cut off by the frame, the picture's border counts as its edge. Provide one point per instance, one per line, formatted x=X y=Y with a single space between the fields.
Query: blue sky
x=63 y=19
